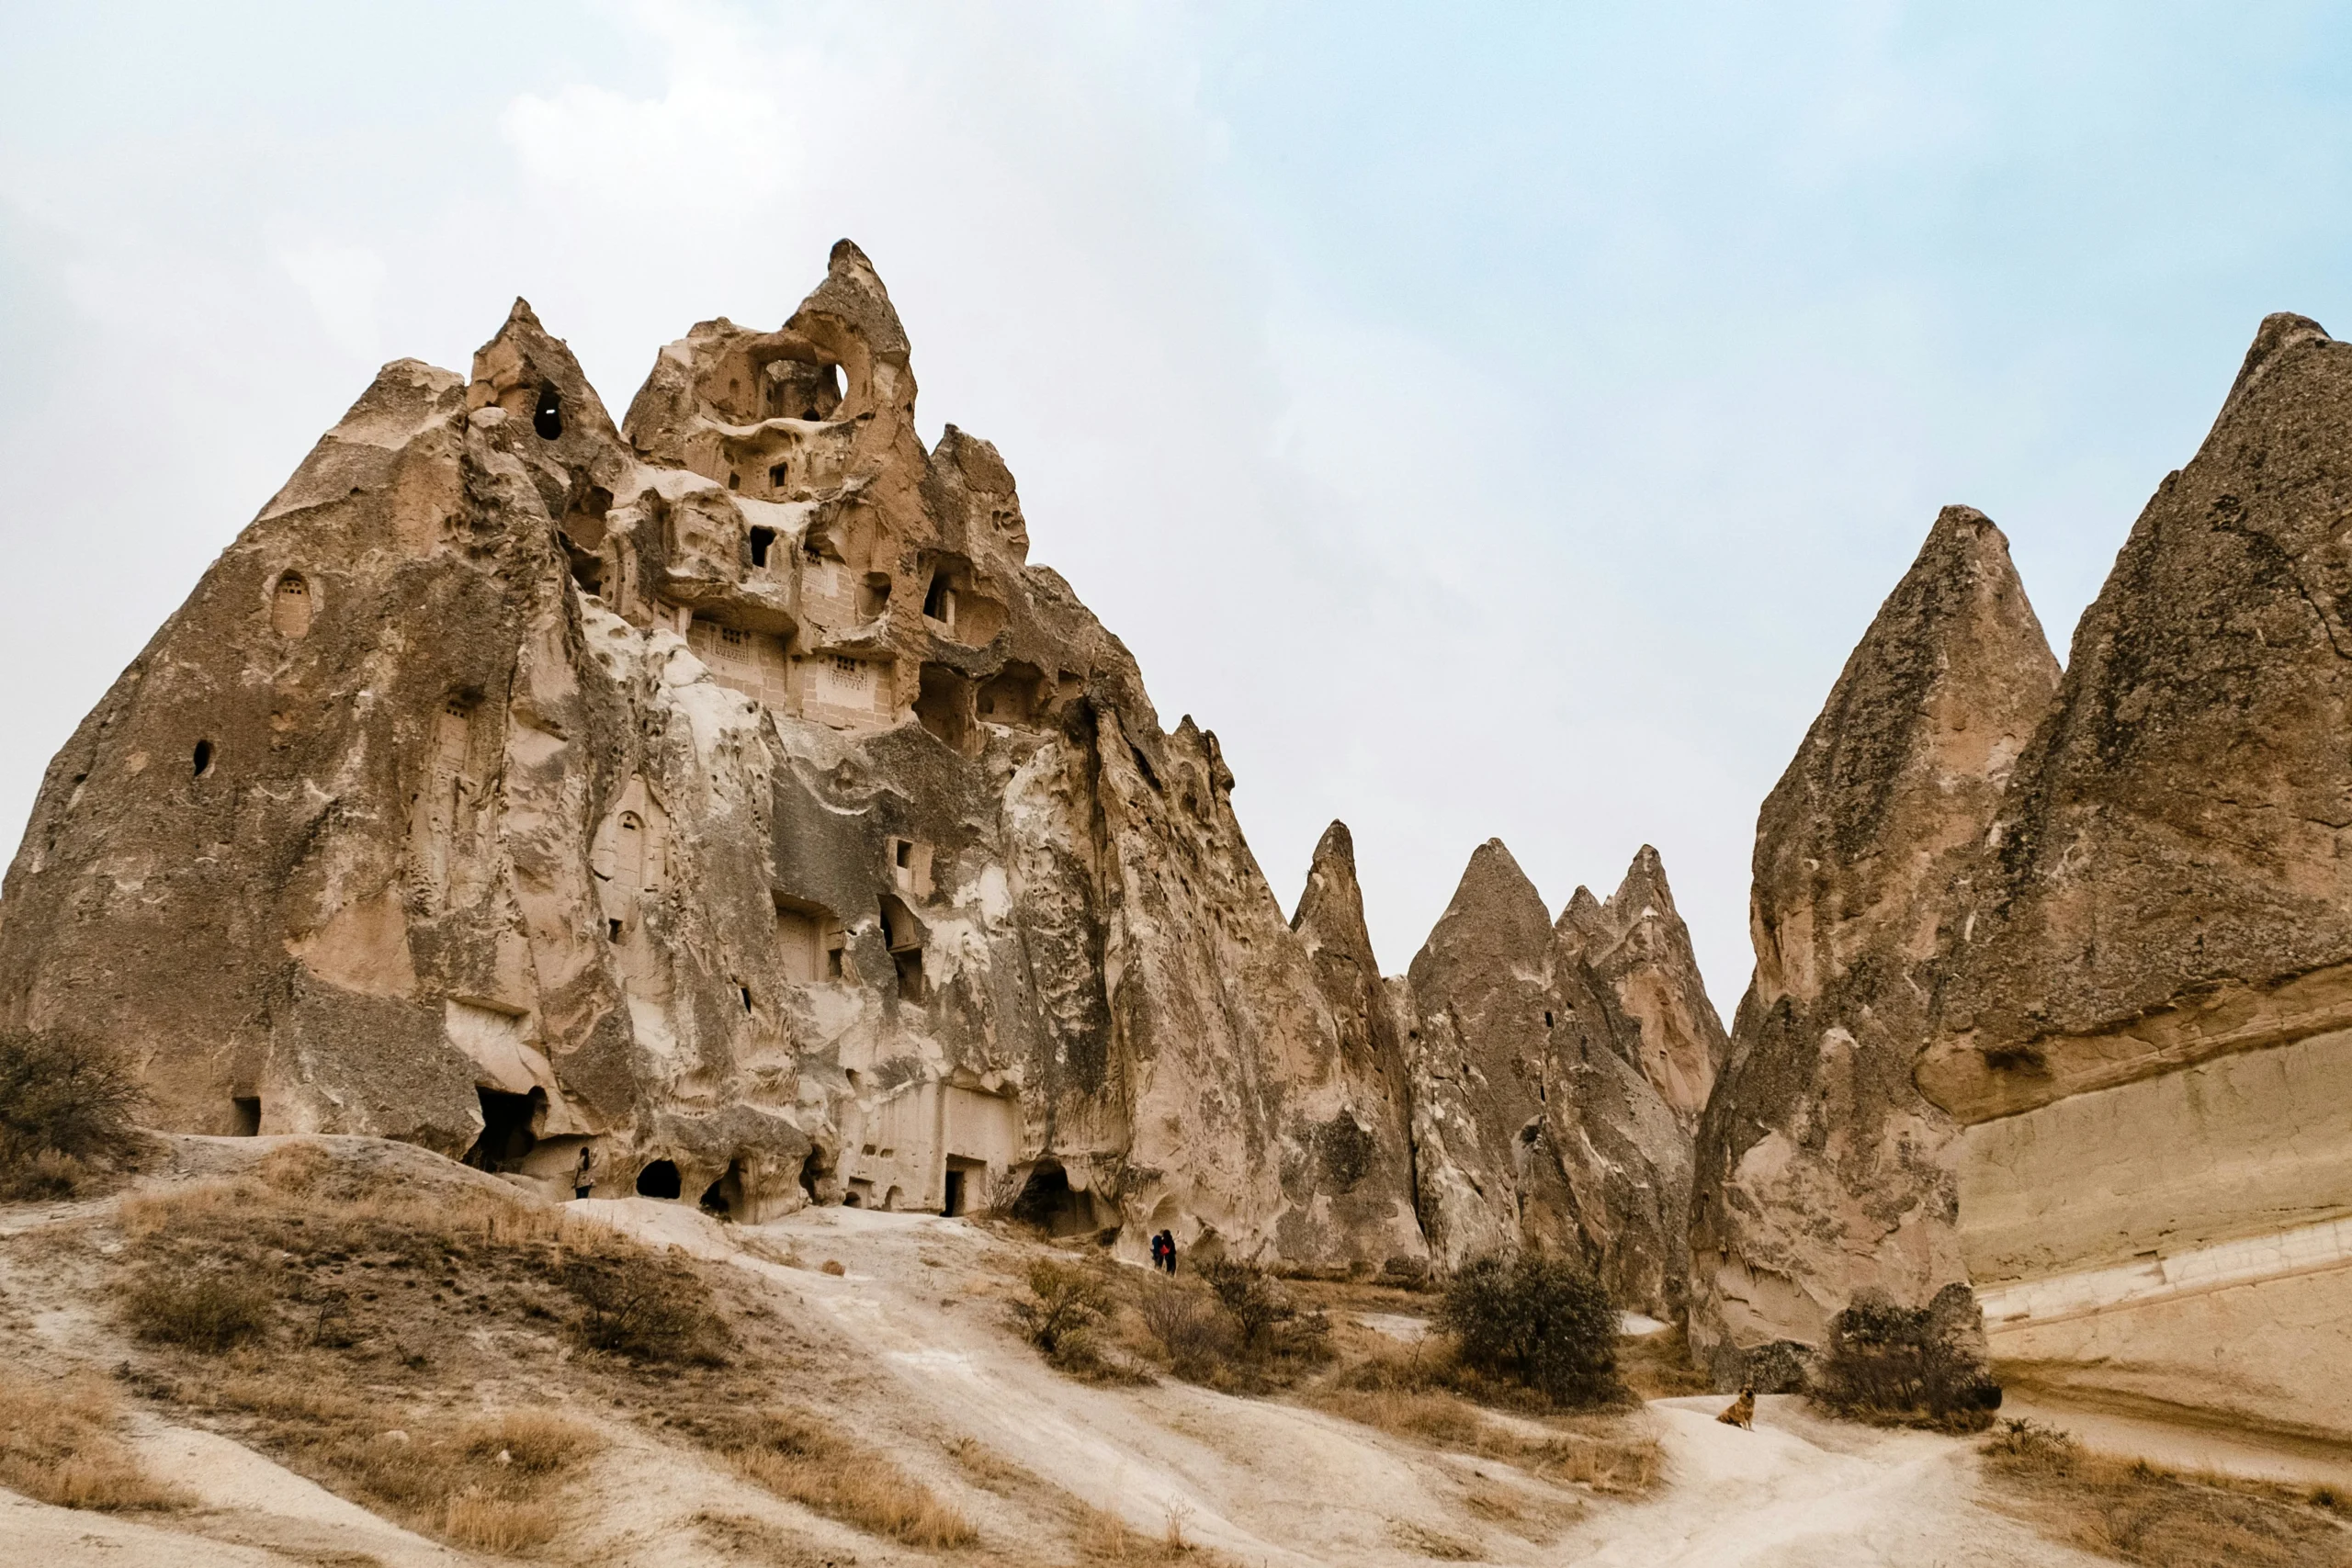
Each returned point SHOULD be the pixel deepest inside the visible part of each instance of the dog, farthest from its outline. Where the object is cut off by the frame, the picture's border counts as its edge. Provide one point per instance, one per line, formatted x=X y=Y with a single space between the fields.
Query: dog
x=1741 y=1412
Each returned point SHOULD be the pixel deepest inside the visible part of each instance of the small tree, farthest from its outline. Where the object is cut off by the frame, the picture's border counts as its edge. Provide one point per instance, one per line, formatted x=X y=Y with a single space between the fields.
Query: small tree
x=1536 y=1321
x=1065 y=1303
x=1887 y=1360
x=66 y=1104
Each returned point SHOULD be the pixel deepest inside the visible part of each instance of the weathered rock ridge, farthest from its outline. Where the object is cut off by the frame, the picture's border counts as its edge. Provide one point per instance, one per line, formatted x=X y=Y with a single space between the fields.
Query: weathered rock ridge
x=2053 y=986
x=723 y=798
x=1533 y=1122
x=2145 y=1027
x=1819 y=1166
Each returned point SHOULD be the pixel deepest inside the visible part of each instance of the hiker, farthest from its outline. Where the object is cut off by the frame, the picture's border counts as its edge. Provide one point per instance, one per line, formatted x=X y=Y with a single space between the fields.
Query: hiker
x=1168 y=1251
x=1155 y=1251
x=581 y=1180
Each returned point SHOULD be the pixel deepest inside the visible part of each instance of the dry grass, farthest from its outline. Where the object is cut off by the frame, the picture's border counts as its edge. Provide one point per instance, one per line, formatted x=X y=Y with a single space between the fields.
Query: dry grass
x=2142 y=1514
x=794 y=1455
x=61 y=1443
x=301 y=1252
x=1657 y=1366
x=479 y=1481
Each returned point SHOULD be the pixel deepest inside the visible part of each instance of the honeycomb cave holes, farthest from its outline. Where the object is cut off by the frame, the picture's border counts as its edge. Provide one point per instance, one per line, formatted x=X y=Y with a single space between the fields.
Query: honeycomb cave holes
x=547 y=418
x=659 y=1179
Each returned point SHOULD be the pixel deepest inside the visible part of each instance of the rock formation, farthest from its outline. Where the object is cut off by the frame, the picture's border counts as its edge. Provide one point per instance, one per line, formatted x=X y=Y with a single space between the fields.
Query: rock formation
x=2147 y=1027
x=1533 y=1123
x=1820 y=1170
x=724 y=794
x=1640 y=955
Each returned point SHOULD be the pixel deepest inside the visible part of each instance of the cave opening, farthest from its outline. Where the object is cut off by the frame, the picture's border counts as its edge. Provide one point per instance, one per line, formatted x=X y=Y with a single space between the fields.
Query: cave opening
x=659 y=1179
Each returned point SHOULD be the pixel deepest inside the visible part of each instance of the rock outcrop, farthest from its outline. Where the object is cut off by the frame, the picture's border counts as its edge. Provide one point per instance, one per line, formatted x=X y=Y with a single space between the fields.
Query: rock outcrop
x=1820 y=1170
x=1640 y=955
x=2147 y=1029
x=725 y=796
x=1533 y=1122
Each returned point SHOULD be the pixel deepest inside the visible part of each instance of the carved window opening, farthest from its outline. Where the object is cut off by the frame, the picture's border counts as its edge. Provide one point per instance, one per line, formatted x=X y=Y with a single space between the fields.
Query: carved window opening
x=780 y=475
x=290 y=607
x=203 y=758
x=939 y=601
x=245 y=1116
x=763 y=541
x=734 y=481
x=507 y=1128
x=873 y=595
x=548 y=418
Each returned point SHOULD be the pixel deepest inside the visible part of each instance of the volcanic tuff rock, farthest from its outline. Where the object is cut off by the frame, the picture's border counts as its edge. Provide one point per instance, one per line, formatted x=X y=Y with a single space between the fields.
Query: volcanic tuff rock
x=1640 y=955
x=727 y=796
x=1533 y=1124
x=1820 y=1170
x=2148 y=1028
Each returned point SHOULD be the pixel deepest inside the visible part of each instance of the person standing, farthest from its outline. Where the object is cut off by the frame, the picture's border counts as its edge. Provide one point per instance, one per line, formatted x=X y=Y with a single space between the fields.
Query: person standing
x=581 y=1179
x=1168 y=1252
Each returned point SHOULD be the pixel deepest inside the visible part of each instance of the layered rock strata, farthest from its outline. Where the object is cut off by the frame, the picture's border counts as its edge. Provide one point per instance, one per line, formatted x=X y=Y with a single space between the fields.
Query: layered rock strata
x=1821 y=1171
x=725 y=796
x=2146 y=1031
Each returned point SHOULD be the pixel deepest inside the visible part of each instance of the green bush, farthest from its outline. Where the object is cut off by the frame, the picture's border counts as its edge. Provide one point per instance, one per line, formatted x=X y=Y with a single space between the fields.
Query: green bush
x=1886 y=1361
x=201 y=1309
x=66 y=1104
x=1535 y=1321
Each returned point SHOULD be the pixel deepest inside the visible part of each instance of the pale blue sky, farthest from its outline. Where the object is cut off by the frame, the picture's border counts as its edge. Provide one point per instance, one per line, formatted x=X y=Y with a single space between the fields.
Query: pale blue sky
x=1490 y=420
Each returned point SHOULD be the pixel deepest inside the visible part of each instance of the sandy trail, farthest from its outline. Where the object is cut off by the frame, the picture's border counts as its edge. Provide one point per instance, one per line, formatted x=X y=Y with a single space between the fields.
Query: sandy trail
x=1271 y=1483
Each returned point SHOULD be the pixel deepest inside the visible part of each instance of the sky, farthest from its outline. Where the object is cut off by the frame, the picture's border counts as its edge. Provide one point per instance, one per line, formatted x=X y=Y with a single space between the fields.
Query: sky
x=1491 y=421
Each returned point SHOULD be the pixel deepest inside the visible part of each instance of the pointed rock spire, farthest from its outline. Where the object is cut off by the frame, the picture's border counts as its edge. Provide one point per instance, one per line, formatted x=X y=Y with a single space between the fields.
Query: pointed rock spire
x=1364 y=1158
x=1647 y=975
x=1815 y=1162
x=2172 y=845
x=1477 y=1041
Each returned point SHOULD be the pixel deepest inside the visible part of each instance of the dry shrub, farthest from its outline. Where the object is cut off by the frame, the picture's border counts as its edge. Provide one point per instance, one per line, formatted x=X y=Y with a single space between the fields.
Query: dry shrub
x=535 y=1442
x=1193 y=1331
x=61 y=1443
x=66 y=1105
x=643 y=1306
x=1537 y=1321
x=794 y=1455
x=200 y=1308
x=2141 y=1512
x=1063 y=1318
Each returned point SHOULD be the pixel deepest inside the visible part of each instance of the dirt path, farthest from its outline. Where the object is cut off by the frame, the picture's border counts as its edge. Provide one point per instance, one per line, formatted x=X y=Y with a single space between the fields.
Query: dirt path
x=1270 y=1483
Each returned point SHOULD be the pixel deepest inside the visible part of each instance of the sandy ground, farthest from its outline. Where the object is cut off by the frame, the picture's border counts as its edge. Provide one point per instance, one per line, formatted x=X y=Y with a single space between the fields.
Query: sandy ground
x=916 y=1355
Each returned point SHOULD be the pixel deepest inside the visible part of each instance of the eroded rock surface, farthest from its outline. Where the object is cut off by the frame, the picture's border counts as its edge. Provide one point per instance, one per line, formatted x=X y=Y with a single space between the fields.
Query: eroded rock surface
x=1639 y=953
x=1821 y=1171
x=2147 y=1030
x=725 y=797
x=1532 y=1122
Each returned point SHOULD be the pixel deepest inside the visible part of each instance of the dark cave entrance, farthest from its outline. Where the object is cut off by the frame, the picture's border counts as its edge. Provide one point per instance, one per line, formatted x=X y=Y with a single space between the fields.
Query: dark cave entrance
x=659 y=1179
x=506 y=1123
x=1049 y=1202
x=724 y=1197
